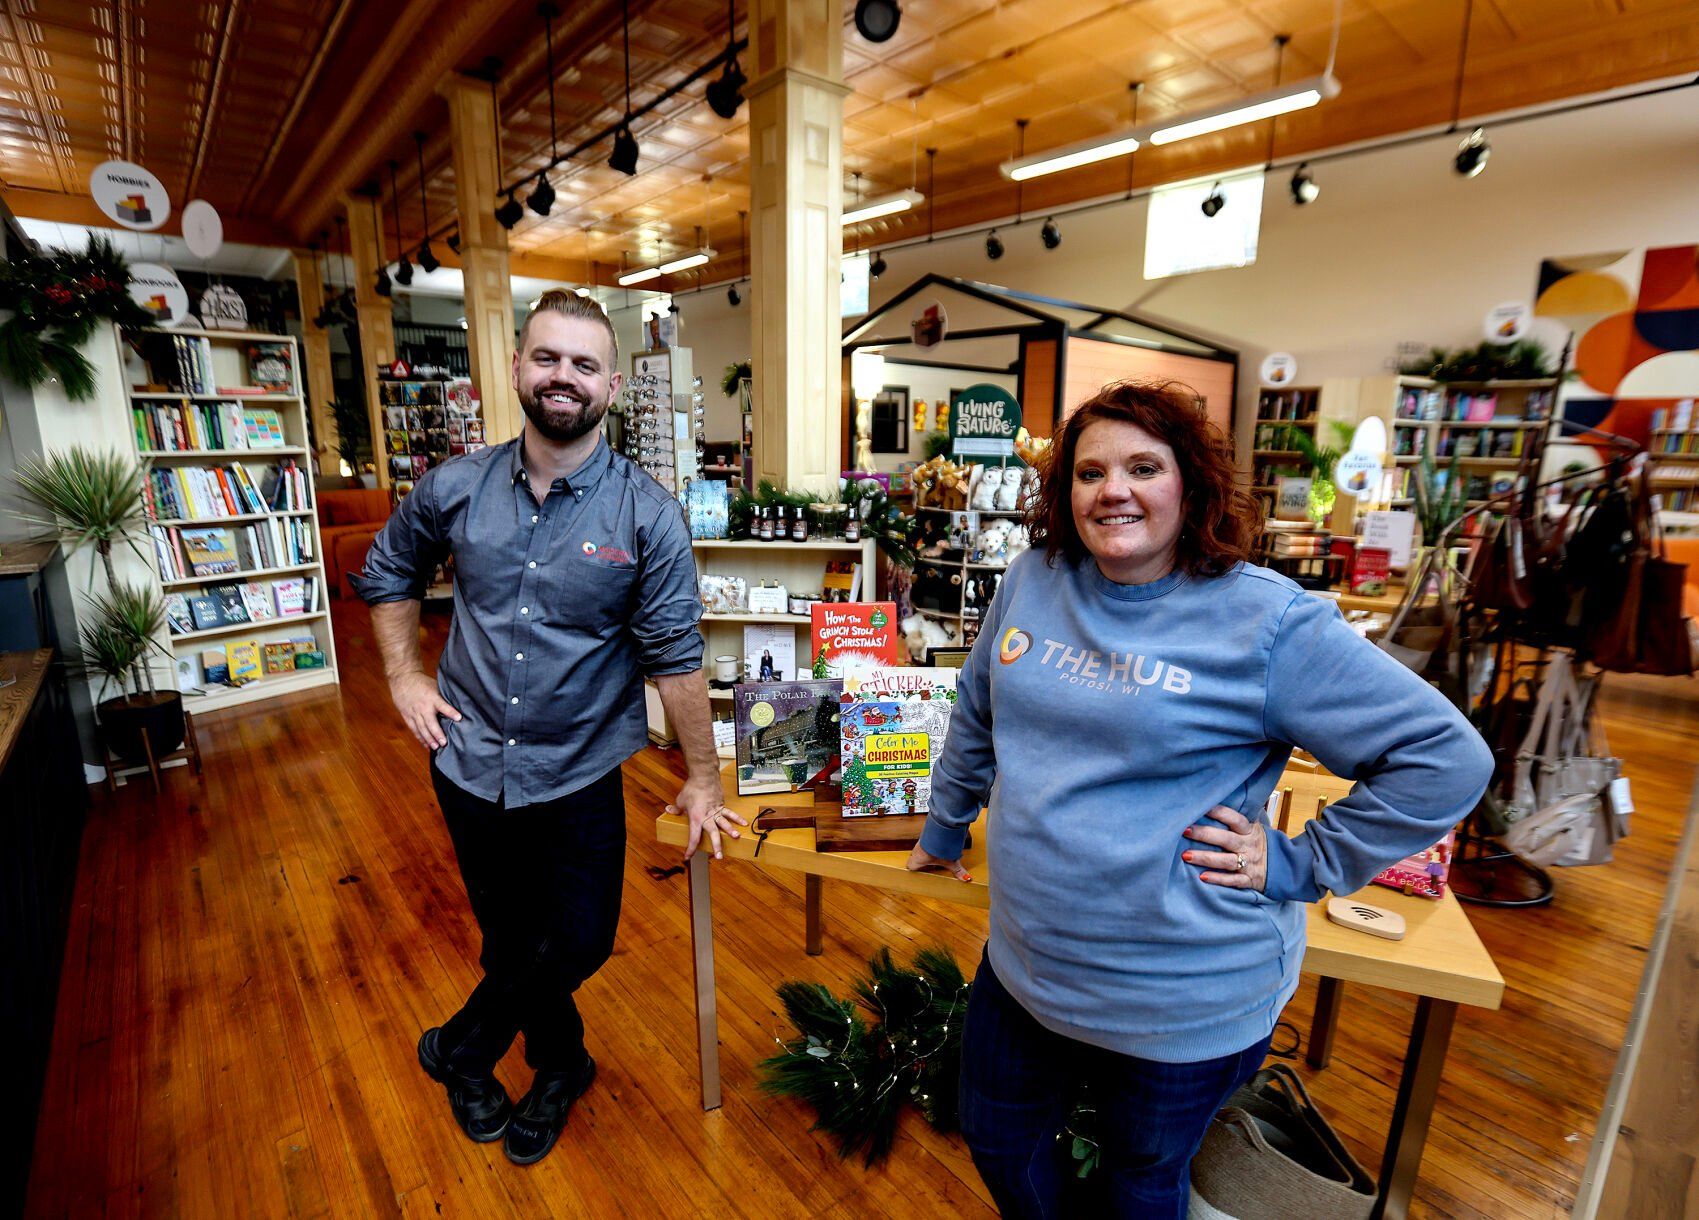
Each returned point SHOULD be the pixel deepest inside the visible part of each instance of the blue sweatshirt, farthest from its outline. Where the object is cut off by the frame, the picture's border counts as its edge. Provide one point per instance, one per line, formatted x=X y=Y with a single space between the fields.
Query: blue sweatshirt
x=1100 y=720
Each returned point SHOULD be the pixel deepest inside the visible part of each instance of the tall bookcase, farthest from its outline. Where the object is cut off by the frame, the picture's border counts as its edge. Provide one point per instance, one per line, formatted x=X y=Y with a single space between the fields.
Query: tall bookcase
x=229 y=370
x=1296 y=407
x=1477 y=431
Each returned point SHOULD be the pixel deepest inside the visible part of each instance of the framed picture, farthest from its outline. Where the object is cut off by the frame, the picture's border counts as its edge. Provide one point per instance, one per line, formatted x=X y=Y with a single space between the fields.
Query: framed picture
x=890 y=420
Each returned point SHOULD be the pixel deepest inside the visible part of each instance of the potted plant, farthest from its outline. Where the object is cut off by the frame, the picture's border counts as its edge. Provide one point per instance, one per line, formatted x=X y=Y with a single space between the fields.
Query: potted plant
x=353 y=435
x=95 y=499
x=1321 y=459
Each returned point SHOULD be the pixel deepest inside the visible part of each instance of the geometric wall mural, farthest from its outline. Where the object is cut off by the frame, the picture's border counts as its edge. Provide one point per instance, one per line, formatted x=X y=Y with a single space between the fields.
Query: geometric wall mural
x=1635 y=315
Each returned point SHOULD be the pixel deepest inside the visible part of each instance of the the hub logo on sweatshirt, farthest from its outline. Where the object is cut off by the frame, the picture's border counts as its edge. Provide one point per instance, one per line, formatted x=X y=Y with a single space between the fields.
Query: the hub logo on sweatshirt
x=1125 y=673
x=1014 y=645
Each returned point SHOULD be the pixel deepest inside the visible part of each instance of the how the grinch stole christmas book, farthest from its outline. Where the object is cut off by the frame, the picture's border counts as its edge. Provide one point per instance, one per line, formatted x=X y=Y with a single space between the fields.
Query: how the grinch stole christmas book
x=852 y=637
x=893 y=723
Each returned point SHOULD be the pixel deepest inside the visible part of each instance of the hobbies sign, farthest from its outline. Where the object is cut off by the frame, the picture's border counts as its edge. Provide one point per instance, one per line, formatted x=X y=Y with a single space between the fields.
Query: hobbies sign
x=130 y=195
x=158 y=290
x=1506 y=323
x=983 y=422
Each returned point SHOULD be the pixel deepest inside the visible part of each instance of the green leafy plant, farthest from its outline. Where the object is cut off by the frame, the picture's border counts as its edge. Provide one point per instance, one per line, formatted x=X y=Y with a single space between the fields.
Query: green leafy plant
x=936 y=443
x=1524 y=360
x=353 y=433
x=87 y=498
x=740 y=371
x=1319 y=459
x=893 y=530
x=57 y=298
x=119 y=638
x=1439 y=499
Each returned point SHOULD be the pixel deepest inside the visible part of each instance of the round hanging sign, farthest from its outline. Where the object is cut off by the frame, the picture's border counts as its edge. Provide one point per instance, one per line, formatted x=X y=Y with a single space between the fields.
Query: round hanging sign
x=1357 y=474
x=129 y=195
x=222 y=308
x=158 y=290
x=1506 y=323
x=1279 y=368
x=203 y=228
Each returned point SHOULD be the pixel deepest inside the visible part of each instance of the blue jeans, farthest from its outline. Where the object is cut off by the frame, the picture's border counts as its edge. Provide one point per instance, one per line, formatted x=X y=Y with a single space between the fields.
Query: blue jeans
x=1019 y=1084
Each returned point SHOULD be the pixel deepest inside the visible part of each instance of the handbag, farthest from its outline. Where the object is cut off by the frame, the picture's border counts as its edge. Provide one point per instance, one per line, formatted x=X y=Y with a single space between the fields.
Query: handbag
x=1269 y=1154
x=1558 y=785
x=1503 y=578
x=1418 y=632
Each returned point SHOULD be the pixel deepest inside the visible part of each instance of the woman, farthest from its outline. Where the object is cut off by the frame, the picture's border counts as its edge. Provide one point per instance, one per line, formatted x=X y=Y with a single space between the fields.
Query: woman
x=1129 y=705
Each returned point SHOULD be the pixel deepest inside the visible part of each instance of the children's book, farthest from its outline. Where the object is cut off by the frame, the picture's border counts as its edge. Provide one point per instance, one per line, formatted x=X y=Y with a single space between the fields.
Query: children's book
x=787 y=735
x=852 y=637
x=210 y=552
x=892 y=725
x=243 y=657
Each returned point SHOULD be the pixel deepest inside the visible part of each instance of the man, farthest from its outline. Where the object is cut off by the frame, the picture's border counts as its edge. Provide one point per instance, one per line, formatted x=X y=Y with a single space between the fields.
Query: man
x=573 y=578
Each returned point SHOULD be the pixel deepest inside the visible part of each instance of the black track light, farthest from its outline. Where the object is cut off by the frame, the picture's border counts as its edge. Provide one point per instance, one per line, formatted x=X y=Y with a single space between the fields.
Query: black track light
x=384 y=286
x=732 y=297
x=428 y=260
x=1304 y=188
x=725 y=94
x=624 y=156
x=877 y=267
x=1050 y=234
x=876 y=20
x=454 y=241
x=1215 y=202
x=542 y=196
x=993 y=246
x=1472 y=154
x=510 y=213
x=404 y=271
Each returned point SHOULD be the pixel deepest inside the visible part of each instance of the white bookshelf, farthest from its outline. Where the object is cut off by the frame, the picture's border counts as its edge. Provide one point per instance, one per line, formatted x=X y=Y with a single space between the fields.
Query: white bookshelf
x=230 y=368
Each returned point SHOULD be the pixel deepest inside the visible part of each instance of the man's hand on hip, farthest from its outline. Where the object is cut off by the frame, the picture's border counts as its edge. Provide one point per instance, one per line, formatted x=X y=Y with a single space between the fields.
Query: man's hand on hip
x=703 y=803
x=421 y=704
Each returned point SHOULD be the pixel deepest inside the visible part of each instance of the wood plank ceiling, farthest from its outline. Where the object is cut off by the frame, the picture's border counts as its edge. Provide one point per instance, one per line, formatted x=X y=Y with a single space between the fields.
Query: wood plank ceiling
x=273 y=109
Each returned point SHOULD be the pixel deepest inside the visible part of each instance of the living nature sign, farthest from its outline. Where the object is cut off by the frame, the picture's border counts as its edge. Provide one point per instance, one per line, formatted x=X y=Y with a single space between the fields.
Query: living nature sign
x=983 y=422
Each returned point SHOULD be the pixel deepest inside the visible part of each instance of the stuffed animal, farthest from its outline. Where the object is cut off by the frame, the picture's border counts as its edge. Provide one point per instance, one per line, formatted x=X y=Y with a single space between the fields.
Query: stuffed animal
x=1009 y=493
x=1019 y=541
x=991 y=544
x=990 y=484
x=921 y=633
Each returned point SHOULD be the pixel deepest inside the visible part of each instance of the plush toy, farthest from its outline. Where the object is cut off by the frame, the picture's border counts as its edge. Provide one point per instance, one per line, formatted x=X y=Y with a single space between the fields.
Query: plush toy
x=990 y=484
x=1008 y=494
x=1019 y=540
x=991 y=544
x=921 y=633
x=1033 y=450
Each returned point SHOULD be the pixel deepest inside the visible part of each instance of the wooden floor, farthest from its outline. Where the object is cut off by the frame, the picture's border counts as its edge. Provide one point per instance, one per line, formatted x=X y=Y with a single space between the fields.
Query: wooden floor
x=252 y=957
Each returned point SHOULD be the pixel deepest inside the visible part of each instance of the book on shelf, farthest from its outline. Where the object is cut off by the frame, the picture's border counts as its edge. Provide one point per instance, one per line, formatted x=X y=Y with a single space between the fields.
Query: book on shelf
x=243 y=658
x=892 y=727
x=177 y=616
x=180 y=362
x=770 y=652
x=846 y=638
x=210 y=552
x=184 y=427
x=257 y=600
x=786 y=735
x=226 y=605
x=842 y=579
x=215 y=669
x=271 y=366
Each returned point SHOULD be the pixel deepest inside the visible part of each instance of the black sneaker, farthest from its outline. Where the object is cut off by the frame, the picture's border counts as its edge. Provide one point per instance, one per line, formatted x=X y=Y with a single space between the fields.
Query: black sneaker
x=541 y=1115
x=480 y=1104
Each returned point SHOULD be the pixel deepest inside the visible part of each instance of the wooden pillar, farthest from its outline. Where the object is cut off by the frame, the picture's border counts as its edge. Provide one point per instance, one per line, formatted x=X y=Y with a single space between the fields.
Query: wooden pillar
x=315 y=355
x=474 y=138
x=375 y=317
x=796 y=238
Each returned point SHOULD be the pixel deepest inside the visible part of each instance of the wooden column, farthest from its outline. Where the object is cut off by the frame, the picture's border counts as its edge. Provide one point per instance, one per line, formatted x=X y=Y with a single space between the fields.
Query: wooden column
x=474 y=138
x=315 y=355
x=376 y=318
x=796 y=238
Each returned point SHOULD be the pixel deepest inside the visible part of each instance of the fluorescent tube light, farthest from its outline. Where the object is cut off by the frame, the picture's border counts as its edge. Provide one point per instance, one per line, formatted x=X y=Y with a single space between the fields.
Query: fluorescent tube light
x=1086 y=152
x=695 y=259
x=884 y=205
x=639 y=277
x=1299 y=95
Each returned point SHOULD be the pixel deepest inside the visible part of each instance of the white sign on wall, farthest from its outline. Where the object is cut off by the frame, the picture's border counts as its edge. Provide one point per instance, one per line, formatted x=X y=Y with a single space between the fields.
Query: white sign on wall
x=1279 y=368
x=203 y=228
x=158 y=290
x=1506 y=323
x=129 y=195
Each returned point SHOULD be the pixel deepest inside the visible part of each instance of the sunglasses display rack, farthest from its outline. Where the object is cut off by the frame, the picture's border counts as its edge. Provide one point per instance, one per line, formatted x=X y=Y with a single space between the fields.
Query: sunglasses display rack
x=661 y=425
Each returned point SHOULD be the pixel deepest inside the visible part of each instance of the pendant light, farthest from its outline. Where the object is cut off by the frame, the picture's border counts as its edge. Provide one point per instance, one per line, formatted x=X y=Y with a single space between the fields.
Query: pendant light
x=428 y=261
x=542 y=196
x=1472 y=153
x=624 y=155
x=725 y=95
x=384 y=286
x=404 y=269
x=511 y=212
x=347 y=301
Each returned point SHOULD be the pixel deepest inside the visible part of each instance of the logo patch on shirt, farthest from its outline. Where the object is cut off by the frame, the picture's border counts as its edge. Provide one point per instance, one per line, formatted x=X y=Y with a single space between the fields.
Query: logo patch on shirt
x=607 y=554
x=1014 y=645
x=589 y=548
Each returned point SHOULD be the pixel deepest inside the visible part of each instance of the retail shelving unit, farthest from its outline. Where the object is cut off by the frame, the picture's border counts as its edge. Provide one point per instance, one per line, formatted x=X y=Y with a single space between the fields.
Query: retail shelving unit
x=965 y=616
x=1292 y=407
x=1478 y=429
x=1675 y=468
x=227 y=357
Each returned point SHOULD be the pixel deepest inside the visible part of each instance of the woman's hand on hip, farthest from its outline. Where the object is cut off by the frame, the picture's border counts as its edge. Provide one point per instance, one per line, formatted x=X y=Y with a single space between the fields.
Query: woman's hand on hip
x=1240 y=857
x=924 y=862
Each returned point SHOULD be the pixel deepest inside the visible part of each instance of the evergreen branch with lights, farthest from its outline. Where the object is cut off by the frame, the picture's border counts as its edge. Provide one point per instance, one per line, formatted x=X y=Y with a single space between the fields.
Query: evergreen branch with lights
x=895 y=531
x=858 y=1076
x=57 y=299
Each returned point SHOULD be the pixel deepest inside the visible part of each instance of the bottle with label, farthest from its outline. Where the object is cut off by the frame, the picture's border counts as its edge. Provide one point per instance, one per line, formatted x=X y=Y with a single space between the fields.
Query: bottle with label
x=799 y=526
x=852 y=525
x=765 y=524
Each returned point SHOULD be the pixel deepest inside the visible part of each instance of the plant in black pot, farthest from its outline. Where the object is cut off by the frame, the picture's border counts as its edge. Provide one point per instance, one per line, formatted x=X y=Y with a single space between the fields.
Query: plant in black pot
x=89 y=498
x=353 y=434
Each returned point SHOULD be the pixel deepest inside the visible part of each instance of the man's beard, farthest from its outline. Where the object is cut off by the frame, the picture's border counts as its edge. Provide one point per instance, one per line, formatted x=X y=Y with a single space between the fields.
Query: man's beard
x=561 y=424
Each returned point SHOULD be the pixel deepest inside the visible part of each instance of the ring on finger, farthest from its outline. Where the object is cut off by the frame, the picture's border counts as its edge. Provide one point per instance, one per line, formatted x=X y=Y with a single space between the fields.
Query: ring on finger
x=1240 y=866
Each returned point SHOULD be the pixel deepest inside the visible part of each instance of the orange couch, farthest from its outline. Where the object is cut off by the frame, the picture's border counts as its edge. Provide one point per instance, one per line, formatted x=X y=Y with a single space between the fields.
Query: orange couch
x=348 y=521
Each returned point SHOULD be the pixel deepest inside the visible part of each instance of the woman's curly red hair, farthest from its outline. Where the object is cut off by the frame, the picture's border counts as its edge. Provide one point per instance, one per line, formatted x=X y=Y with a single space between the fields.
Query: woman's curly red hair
x=1220 y=520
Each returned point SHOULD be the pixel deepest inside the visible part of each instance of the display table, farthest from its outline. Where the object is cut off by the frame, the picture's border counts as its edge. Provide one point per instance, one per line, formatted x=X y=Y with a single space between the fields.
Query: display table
x=1440 y=960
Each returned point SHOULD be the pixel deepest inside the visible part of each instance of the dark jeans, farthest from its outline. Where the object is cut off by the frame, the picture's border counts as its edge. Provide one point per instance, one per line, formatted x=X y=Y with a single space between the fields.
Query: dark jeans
x=544 y=881
x=1019 y=1084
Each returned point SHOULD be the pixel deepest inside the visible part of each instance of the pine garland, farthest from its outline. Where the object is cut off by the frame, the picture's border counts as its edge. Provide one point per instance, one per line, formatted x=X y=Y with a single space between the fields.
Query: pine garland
x=858 y=1077
x=57 y=299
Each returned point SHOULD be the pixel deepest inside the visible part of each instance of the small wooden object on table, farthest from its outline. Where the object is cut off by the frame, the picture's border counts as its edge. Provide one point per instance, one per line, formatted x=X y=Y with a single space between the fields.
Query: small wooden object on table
x=188 y=753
